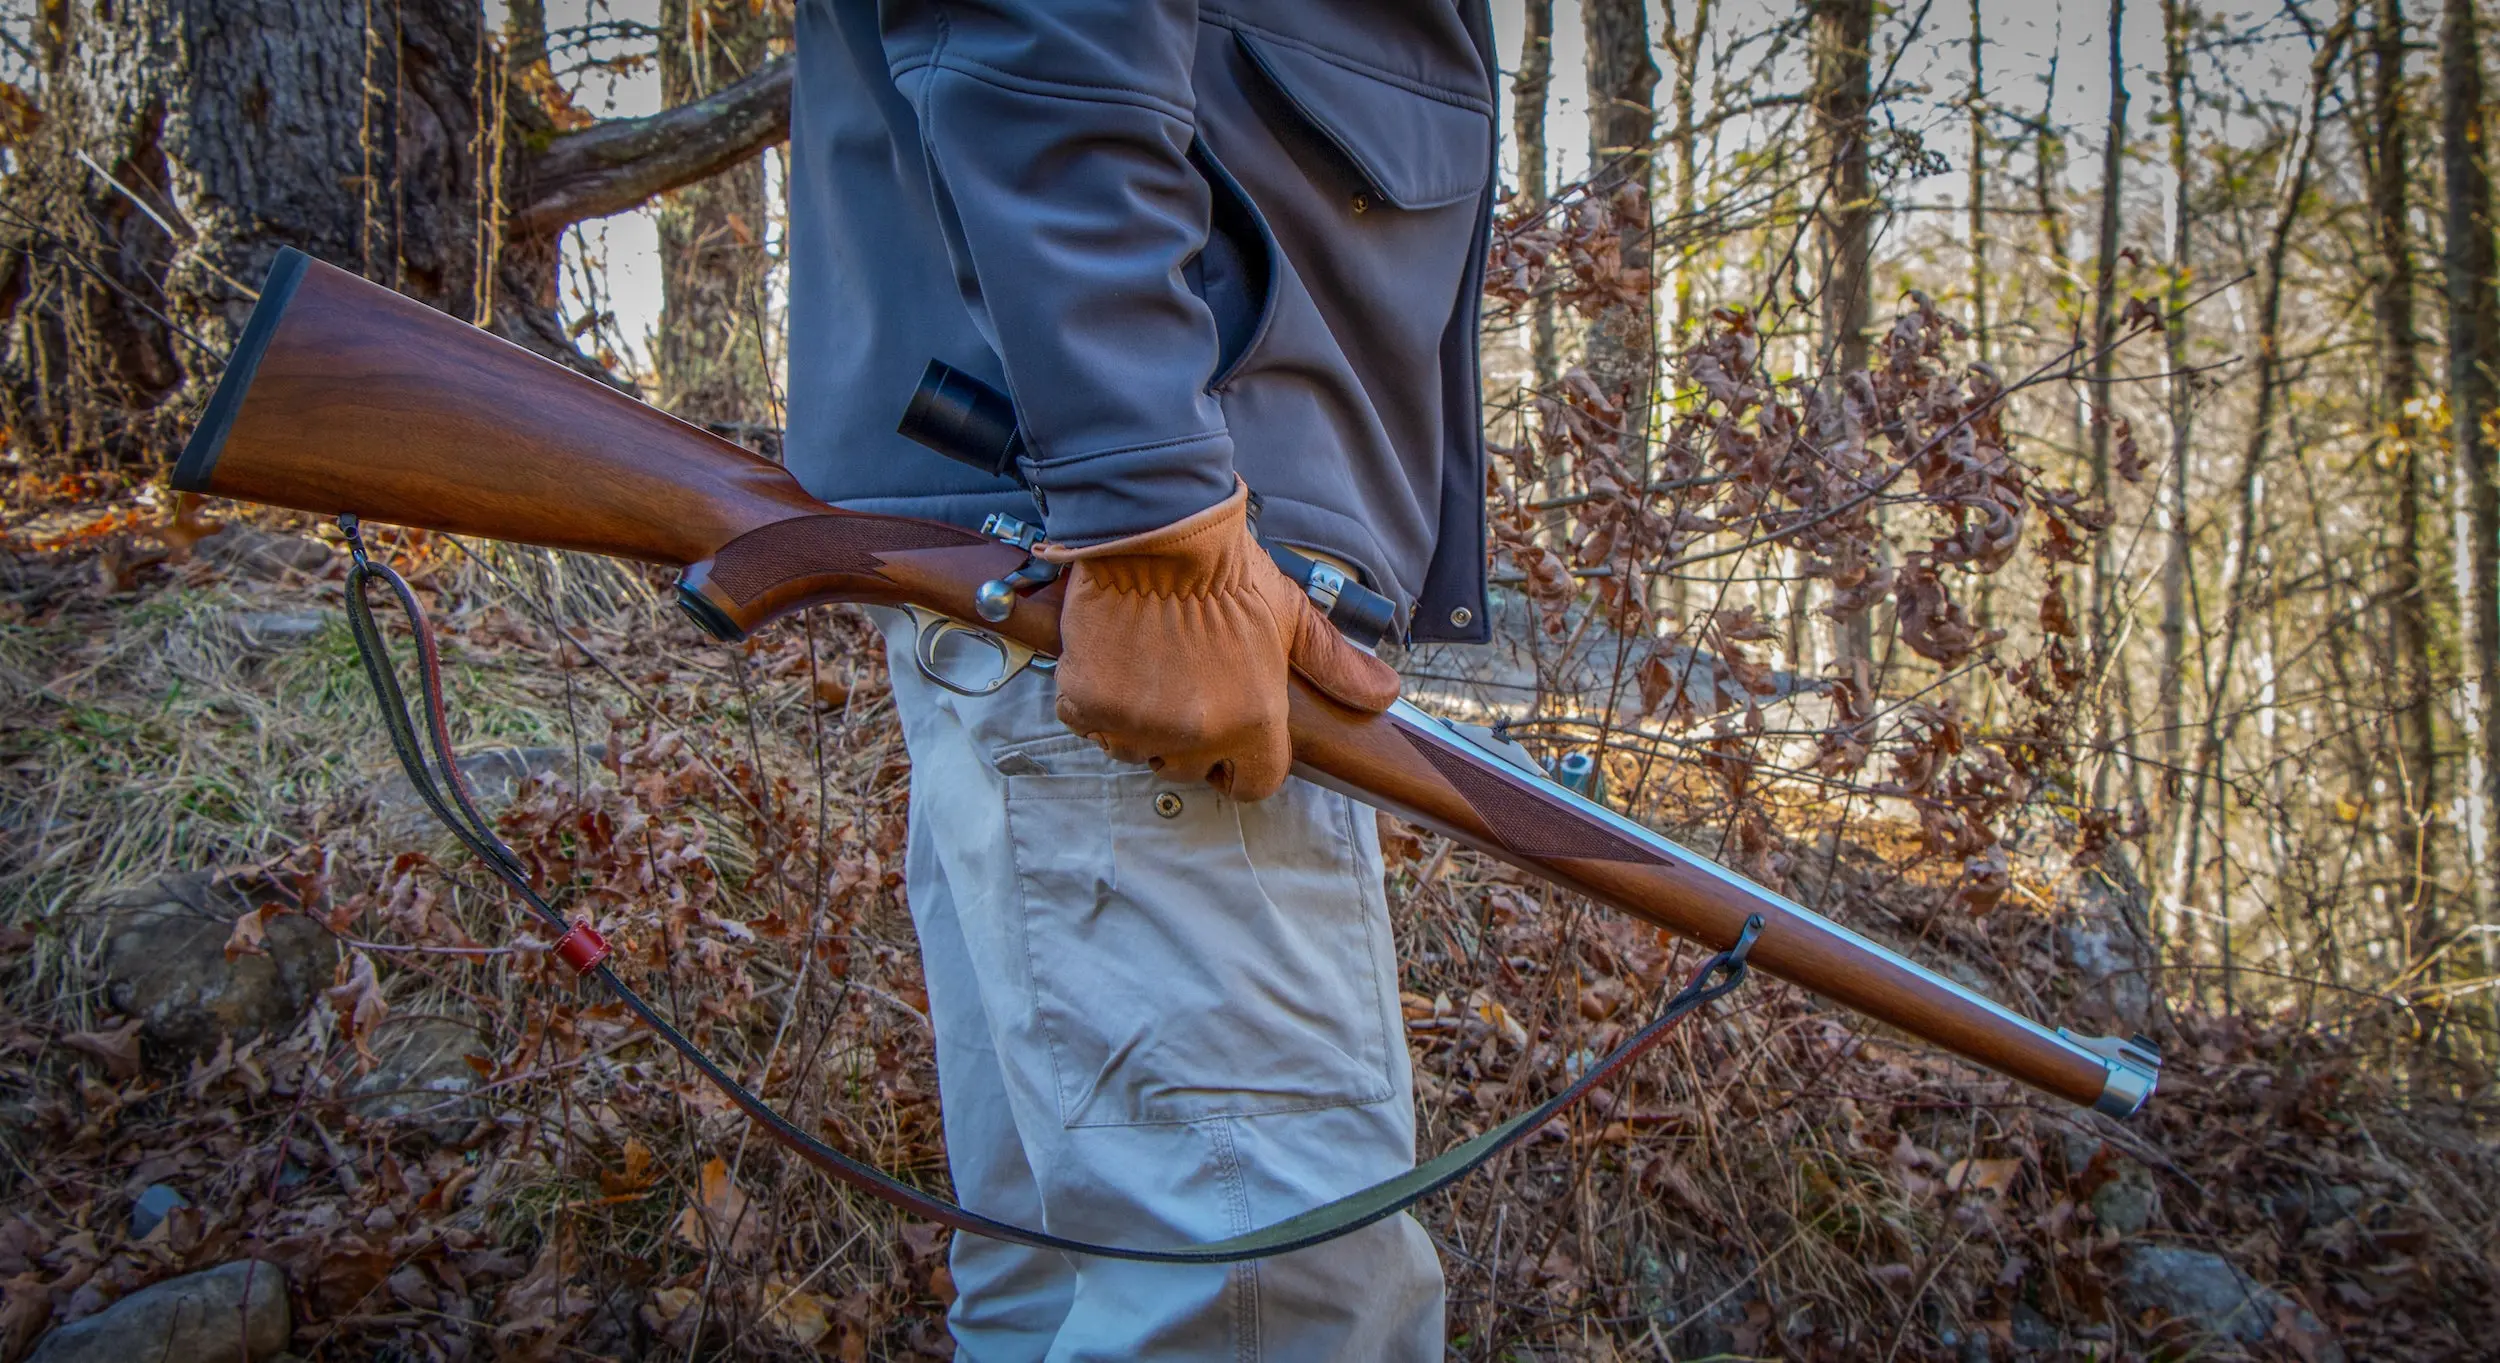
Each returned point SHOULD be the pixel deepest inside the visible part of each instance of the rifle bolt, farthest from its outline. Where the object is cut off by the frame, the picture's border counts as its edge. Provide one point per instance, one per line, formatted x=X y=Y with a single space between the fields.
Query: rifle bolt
x=996 y=600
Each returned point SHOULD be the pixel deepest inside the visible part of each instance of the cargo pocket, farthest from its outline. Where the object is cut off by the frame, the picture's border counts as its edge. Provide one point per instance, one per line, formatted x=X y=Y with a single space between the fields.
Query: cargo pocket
x=1190 y=956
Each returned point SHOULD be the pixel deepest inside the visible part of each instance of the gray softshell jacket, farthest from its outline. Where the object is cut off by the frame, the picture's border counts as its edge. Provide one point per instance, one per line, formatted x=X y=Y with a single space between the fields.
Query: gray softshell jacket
x=1189 y=240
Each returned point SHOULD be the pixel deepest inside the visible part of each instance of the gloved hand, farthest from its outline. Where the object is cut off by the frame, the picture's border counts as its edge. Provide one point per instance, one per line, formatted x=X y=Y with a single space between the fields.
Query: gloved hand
x=1175 y=645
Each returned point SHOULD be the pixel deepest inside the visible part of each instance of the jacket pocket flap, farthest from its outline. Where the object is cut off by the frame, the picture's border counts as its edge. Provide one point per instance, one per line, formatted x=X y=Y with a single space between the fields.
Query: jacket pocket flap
x=1416 y=148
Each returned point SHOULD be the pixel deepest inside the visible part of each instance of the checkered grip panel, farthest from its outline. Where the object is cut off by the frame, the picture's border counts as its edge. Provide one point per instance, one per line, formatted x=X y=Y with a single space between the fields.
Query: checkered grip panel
x=803 y=546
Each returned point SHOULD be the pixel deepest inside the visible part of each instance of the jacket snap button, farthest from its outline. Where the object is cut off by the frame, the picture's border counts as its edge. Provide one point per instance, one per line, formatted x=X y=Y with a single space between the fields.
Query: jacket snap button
x=1460 y=615
x=1362 y=203
x=1168 y=805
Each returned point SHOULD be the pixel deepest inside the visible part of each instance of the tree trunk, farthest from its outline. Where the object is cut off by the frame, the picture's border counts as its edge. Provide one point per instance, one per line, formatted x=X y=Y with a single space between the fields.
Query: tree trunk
x=524 y=36
x=1685 y=49
x=2110 y=676
x=1623 y=140
x=1529 y=90
x=182 y=148
x=2473 y=361
x=713 y=361
x=1843 y=31
x=1842 y=98
x=2171 y=685
x=1978 y=189
x=2248 y=486
x=2048 y=170
x=1987 y=604
x=355 y=140
x=2409 y=636
x=1623 y=87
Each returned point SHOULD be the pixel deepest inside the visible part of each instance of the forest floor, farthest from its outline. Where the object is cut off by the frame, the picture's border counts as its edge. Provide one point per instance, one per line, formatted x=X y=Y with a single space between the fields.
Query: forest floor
x=238 y=964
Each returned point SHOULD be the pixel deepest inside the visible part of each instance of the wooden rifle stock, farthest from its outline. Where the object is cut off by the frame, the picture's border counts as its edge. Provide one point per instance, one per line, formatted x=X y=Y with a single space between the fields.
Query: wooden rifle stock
x=345 y=398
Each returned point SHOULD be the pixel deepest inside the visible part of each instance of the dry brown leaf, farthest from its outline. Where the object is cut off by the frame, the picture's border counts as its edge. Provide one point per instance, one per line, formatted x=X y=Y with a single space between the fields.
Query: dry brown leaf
x=21 y=116
x=720 y=1220
x=251 y=928
x=2129 y=457
x=1491 y=1012
x=2054 y=617
x=635 y=1176
x=796 y=1317
x=669 y=1313
x=186 y=527
x=25 y=1307
x=357 y=1000
x=923 y=1238
x=1982 y=1175
x=117 y=1048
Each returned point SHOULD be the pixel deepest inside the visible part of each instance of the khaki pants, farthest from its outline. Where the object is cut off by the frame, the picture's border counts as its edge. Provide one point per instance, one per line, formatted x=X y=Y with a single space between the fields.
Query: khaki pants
x=1162 y=1017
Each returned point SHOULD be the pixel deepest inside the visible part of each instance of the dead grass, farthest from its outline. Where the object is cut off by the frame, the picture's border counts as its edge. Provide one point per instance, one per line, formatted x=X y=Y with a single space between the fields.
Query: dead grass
x=1781 y=1180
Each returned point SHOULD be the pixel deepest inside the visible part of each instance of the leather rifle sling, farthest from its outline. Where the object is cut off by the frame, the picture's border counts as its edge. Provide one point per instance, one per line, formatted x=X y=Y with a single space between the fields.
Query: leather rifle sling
x=581 y=947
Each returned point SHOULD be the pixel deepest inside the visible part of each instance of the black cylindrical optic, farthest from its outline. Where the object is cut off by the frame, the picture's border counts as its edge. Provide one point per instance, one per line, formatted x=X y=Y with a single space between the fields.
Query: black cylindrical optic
x=966 y=420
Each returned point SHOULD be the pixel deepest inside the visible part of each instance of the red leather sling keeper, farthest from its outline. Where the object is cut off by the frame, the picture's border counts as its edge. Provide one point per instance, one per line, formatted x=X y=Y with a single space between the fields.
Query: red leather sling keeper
x=581 y=946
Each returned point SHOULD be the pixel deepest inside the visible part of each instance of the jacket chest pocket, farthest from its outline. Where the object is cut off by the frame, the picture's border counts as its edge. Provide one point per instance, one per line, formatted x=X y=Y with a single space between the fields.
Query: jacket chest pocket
x=1192 y=957
x=1368 y=188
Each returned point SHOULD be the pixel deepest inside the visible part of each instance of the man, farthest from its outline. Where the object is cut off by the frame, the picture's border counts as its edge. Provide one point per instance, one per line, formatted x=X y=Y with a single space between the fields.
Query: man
x=1204 y=250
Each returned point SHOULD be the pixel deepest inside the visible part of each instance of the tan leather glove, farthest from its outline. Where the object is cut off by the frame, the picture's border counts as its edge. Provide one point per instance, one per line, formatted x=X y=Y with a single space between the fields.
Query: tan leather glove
x=1175 y=644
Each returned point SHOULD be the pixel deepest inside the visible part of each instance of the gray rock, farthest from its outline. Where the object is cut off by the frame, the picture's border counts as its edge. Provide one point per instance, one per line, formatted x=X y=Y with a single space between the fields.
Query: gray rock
x=165 y=963
x=422 y=1080
x=2034 y=1332
x=1667 y=1291
x=32 y=1116
x=2100 y=940
x=258 y=553
x=281 y=629
x=2129 y=1201
x=401 y=816
x=2313 y=1204
x=2079 y=1149
x=2208 y=1292
x=154 y=1203
x=192 y=1319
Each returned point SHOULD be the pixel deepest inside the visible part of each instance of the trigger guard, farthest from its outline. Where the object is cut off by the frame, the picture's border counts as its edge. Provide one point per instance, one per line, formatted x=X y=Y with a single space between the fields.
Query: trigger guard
x=931 y=628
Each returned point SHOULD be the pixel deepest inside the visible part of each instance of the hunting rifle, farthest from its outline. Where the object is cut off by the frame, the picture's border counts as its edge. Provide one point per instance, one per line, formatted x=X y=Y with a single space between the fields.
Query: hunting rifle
x=346 y=399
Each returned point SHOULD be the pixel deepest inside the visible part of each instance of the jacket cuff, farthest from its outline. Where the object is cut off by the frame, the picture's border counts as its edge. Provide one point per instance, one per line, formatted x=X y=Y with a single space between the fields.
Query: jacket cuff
x=1091 y=498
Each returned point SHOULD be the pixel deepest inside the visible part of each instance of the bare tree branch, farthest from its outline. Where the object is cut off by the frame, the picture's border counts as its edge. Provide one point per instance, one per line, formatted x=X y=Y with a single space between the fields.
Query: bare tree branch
x=614 y=165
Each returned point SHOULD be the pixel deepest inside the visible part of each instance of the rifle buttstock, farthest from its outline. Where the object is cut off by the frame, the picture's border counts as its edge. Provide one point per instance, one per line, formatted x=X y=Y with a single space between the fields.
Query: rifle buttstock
x=345 y=398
